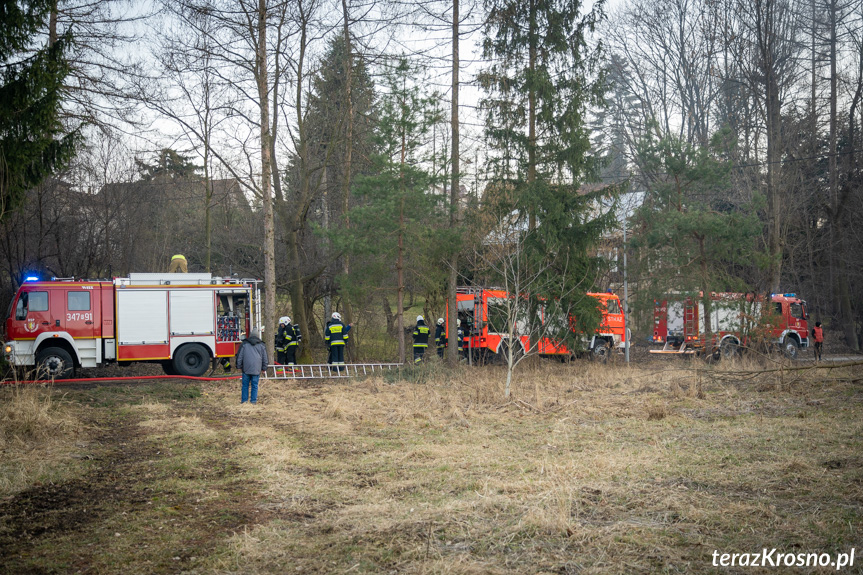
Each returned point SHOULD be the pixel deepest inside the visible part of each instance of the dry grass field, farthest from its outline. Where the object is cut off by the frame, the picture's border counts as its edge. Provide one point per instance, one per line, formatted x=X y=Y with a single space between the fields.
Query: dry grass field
x=585 y=469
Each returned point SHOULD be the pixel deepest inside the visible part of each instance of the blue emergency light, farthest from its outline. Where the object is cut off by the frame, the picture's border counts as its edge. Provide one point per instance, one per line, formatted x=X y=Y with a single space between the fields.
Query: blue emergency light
x=31 y=279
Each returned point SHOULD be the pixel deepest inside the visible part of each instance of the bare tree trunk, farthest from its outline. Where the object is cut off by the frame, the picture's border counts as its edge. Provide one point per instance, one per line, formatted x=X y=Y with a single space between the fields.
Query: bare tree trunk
x=266 y=170
x=400 y=281
x=452 y=312
x=531 y=104
x=842 y=296
x=349 y=146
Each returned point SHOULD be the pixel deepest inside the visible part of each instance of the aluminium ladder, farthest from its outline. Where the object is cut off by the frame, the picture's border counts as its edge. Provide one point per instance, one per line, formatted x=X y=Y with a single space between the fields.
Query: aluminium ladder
x=327 y=371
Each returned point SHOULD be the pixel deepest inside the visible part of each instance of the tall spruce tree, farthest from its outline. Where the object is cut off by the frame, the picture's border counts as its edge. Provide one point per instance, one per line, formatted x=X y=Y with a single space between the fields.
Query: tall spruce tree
x=32 y=139
x=542 y=79
x=397 y=226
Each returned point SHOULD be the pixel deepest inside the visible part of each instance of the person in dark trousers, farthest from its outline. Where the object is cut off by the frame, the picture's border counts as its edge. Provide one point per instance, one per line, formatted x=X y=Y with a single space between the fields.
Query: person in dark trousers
x=336 y=336
x=282 y=342
x=818 y=336
x=459 y=335
x=421 y=339
x=251 y=361
x=440 y=337
x=292 y=339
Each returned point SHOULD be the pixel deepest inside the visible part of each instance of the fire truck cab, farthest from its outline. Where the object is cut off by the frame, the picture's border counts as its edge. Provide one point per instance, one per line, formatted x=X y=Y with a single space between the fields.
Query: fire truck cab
x=182 y=321
x=483 y=314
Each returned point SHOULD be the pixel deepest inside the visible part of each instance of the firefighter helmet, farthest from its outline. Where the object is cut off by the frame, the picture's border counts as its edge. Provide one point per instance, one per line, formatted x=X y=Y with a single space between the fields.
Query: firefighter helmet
x=458 y=323
x=420 y=318
x=337 y=316
x=284 y=320
x=440 y=321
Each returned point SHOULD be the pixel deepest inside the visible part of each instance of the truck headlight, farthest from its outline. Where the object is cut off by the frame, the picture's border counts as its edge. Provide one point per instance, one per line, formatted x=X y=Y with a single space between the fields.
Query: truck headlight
x=8 y=349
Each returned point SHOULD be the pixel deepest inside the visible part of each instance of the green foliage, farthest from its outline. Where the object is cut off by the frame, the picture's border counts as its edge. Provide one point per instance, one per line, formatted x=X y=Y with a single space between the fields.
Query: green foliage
x=32 y=139
x=692 y=232
x=398 y=217
x=543 y=67
x=327 y=118
x=169 y=165
x=542 y=79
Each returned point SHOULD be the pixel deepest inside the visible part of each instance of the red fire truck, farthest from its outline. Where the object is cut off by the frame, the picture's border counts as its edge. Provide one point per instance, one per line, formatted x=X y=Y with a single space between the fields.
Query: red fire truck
x=483 y=314
x=182 y=321
x=679 y=324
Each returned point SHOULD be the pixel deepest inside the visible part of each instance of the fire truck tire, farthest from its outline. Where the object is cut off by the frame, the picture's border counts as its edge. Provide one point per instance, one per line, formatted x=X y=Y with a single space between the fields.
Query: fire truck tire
x=790 y=348
x=191 y=359
x=54 y=362
x=729 y=349
x=601 y=351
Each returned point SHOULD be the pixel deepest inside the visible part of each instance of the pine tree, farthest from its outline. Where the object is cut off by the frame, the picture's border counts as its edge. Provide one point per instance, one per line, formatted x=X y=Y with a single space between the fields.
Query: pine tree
x=32 y=139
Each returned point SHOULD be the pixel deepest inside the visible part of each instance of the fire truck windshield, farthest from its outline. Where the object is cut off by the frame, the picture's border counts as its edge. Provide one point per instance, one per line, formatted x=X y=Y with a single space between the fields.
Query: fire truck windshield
x=612 y=306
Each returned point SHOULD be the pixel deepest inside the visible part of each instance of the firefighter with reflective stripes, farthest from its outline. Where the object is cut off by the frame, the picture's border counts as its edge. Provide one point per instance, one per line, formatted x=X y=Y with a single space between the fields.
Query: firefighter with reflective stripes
x=336 y=336
x=460 y=338
x=421 y=339
x=440 y=337
x=178 y=264
x=286 y=342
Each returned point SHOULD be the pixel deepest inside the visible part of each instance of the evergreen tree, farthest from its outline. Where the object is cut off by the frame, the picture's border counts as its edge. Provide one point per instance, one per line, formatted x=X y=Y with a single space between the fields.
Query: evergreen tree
x=32 y=139
x=692 y=233
x=542 y=80
x=170 y=165
x=396 y=226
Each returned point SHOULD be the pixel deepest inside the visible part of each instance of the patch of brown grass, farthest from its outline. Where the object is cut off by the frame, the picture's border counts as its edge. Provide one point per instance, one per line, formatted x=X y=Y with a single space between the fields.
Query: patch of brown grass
x=37 y=436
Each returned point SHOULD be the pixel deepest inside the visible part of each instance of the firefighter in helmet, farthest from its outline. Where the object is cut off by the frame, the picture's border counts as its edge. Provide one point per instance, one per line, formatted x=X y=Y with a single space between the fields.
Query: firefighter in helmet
x=292 y=339
x=178 y=264
x=421 y=339
x=336 y=336
x=282 y=341
x=440 y=337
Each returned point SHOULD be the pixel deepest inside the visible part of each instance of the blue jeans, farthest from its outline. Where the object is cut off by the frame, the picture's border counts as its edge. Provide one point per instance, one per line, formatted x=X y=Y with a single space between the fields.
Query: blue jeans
x=247 y=379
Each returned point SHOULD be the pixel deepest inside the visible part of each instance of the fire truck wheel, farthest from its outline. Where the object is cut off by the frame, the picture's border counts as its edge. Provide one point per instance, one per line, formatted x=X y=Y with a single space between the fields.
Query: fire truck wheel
x=54 y=362
x=729 y=349
x=790 y=348
x=600 y=352
x=191 y=360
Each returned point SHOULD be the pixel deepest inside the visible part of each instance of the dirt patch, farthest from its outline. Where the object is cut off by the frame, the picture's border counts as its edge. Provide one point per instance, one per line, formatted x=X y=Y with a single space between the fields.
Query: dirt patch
x=129 y=477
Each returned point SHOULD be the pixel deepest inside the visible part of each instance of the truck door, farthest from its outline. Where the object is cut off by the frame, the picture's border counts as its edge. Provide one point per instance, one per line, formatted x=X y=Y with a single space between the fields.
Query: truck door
x=82 y=313
x=32 y=314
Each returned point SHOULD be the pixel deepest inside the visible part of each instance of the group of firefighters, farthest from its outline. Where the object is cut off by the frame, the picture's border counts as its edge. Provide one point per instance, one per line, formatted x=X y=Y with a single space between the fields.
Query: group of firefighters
x=336 y=336
x=288 y=335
